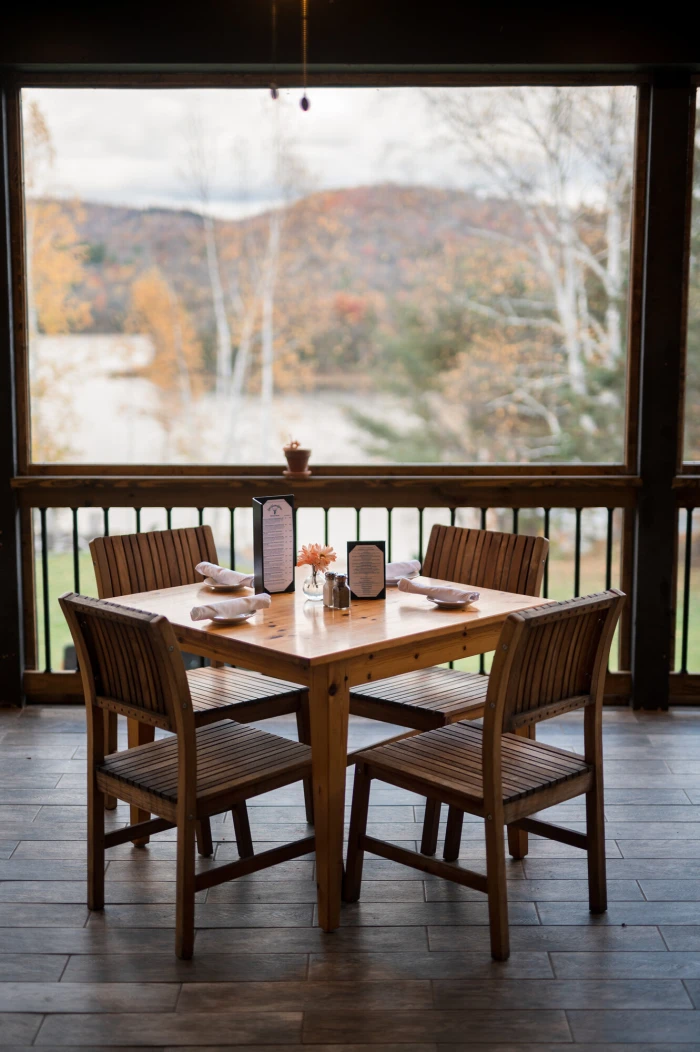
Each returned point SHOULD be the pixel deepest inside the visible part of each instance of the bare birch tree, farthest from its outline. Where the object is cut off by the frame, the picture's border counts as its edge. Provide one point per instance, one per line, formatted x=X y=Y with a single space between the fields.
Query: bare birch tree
x=541 y=149
x=201 y=166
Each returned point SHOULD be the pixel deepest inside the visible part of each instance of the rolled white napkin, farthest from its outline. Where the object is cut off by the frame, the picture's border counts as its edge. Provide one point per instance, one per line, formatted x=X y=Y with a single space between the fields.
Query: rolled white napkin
x=231 y=607
x=438 y=591
x=404 y=569
x=220 y=575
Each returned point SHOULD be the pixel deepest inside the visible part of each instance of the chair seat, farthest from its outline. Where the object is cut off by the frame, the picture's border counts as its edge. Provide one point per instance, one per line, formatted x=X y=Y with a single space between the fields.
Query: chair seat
x=426 y=698
x=216 y=691
x=451 y=759
x=230 y=758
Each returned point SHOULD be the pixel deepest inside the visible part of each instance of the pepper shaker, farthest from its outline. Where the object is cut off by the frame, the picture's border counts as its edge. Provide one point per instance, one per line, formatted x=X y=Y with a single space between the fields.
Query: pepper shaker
x=341 y=592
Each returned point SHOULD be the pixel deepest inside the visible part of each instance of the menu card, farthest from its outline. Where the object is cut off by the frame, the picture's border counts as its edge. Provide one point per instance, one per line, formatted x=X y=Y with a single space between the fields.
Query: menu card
x=366 y=569
x=274 y=543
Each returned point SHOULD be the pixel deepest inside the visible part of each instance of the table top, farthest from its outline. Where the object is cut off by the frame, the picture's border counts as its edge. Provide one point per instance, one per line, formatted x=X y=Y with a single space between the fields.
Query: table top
x=306 y=631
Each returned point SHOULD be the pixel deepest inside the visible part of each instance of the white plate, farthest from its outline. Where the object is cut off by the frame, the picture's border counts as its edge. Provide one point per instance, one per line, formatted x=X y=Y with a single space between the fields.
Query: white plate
x=392 y=582
x=237 y=620
x=445 y=605
x=223 y=587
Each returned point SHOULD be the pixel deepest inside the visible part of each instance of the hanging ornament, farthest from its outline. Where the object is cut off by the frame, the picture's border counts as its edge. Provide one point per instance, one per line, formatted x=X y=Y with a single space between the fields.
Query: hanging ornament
x=304 y=37
x=273 y=87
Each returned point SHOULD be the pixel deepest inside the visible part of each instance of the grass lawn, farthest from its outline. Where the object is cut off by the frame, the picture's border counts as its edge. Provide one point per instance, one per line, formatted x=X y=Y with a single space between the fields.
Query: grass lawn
x=561 y=577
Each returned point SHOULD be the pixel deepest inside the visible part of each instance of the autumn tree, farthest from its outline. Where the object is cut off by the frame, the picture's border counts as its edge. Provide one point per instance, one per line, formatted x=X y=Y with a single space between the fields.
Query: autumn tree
x=174 y=369
x=55 y=261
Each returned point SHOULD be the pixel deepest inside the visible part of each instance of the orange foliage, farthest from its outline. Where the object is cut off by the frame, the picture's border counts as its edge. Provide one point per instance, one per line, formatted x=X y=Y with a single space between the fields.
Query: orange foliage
x=156 y=312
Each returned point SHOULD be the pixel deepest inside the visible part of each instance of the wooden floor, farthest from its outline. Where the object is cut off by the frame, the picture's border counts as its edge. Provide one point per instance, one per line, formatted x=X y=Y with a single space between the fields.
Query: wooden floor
x=409 y=969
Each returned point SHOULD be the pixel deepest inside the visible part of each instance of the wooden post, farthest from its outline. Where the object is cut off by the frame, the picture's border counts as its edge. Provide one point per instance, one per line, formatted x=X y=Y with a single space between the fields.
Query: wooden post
x=669 y=171
x=11 y=652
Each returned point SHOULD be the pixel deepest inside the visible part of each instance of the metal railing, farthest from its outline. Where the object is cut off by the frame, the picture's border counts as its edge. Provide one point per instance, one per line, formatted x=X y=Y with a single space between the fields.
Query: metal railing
x=567 y=559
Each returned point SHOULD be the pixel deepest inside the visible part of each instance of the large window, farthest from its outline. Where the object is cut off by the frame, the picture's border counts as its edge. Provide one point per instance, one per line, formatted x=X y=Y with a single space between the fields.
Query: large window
x=395 y=275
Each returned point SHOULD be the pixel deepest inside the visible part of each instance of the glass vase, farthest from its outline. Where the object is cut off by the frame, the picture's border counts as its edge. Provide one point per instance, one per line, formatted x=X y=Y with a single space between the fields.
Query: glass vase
x=313 y=586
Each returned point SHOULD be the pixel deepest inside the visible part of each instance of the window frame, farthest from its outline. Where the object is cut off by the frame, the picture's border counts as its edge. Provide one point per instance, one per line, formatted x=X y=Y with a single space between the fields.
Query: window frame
x=627 y=467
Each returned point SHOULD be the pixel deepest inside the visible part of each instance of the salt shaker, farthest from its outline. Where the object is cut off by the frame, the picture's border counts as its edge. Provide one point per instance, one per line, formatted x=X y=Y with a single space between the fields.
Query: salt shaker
x=341 y=592
x=328 y=584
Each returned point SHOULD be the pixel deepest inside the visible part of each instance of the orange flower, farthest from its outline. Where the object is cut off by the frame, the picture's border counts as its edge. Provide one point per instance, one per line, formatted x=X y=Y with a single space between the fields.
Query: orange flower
x=317 y=556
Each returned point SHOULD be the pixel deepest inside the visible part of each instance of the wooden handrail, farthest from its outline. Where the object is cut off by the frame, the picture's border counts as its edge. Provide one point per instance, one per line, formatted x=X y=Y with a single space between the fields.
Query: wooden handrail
x=324 y=491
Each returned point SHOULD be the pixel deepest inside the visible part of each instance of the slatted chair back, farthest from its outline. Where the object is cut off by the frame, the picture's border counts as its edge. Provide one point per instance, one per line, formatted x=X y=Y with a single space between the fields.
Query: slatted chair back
x=487 y=559
x=141 y=562
x=551 y=659
x=130 y=663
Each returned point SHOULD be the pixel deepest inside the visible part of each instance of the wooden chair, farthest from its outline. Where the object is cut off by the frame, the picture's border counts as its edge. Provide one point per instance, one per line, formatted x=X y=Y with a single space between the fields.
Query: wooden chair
x=130 y=664
x=435 y=697
x=142 y=562
x=550 y=659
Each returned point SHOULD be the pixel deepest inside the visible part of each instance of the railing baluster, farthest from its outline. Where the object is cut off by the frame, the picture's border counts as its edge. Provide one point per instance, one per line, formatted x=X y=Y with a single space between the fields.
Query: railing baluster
x=357 y=523
x=232 y=538
x=482 y=660
x=325 y=525
x=45 y=589
x=453 y=515
x=138 y=519
x=76 y=552
x=686 y=587
x=516 y=512
x=105 y=518
x=200 y=521
x=169 y=518
x=545 y=583
x=609 y=550
x=388 y=533
x=577 y=554
x=420 y=534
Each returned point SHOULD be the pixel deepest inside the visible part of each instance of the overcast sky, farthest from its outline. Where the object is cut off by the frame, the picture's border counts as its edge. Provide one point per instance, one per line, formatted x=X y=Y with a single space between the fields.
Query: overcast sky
x=134 y=147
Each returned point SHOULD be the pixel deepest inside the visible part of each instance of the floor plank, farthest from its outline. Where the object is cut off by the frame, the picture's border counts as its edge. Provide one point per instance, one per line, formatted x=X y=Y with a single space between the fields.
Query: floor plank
x=410 y=968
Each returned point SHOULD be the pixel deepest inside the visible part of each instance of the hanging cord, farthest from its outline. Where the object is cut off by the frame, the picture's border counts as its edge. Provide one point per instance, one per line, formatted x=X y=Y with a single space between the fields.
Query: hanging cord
x=304 y=44
x=273 y=86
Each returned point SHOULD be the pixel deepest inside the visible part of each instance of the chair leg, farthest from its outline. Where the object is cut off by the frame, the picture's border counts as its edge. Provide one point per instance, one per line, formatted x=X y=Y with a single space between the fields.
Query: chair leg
x=497 y=890
x=352 y=881
x=139 y=734
x=205 y=844
x=184 y=889
x=304 y=735
x=96 y=846
x=453 y=834
x=595 y=820
x=110 y=736
x=517 y=838
x=431 y=824
x=244 y=840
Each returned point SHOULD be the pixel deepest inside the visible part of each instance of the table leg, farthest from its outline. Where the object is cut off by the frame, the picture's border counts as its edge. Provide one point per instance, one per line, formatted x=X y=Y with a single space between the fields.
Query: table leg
x=329 y=702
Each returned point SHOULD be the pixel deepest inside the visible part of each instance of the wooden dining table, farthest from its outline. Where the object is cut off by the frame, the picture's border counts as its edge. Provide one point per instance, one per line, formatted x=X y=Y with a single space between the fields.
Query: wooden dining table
x=330 y=651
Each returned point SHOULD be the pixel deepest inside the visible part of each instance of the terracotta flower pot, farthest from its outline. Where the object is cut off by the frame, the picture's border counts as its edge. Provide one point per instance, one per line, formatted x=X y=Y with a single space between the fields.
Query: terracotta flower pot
x=297 y=460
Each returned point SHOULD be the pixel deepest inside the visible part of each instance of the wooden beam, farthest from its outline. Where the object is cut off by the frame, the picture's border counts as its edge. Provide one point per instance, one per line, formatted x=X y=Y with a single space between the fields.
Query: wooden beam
x=340 y=491
x=669 y=173
x=476 y=471
x=51 y=686
x=394 y=34
x=11 y=619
